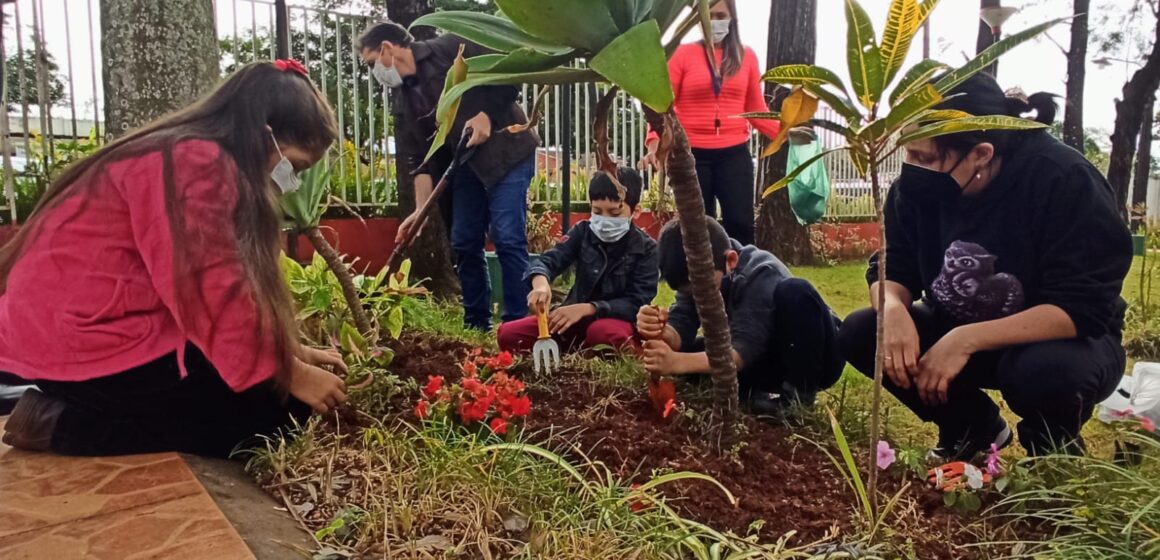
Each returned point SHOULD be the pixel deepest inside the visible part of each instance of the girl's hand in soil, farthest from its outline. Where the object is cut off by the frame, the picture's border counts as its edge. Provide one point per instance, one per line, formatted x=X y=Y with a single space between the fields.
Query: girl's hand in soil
x=322 y=358
x=901 y=345
x=660 y=358
x=651 y=321
x=318 y=388
x=564 y=318
x=541 y=295
x=941 y=364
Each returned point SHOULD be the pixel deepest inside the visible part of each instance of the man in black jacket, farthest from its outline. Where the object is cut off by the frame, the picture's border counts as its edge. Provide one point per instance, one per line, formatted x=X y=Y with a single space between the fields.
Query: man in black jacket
x=616 y=273
x=783 y=334
x=489 y=194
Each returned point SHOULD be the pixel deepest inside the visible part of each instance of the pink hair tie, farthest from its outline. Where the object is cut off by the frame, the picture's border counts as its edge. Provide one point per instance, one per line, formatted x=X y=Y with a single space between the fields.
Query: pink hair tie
x=291 y=65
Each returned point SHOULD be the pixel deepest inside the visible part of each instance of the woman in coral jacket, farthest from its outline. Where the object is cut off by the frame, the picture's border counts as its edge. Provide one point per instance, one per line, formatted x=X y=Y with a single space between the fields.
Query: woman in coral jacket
x=144 y=296
x=707 y=108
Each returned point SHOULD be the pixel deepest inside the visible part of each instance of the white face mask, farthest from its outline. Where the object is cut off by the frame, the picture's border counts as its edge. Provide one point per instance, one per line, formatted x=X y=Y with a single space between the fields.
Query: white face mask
x=283 y=173
x=720 y=29
x=609 y=230
x=389 y=77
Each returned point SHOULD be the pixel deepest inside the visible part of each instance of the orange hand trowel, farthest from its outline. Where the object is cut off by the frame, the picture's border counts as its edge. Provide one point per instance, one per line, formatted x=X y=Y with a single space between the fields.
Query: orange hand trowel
x=953 y=476
x=662 y=392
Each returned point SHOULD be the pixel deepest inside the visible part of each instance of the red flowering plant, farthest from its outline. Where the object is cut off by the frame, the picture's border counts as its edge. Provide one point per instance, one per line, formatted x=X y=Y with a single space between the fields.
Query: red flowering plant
x=486 y=395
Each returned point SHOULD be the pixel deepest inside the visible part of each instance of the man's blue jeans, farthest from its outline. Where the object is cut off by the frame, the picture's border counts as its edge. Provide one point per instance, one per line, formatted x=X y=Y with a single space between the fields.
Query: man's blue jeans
x=500 y=210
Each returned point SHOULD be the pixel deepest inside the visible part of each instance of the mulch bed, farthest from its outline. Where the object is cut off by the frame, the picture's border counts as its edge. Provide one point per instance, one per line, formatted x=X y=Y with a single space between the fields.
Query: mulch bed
x=784 y=483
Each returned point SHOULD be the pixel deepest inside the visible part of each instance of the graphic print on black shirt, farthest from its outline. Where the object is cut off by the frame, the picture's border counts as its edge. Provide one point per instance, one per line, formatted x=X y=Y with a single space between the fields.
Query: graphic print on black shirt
x=968 y=288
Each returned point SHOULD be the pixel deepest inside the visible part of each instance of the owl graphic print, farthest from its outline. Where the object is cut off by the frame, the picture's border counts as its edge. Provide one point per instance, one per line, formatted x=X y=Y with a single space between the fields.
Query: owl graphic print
x=968 y=288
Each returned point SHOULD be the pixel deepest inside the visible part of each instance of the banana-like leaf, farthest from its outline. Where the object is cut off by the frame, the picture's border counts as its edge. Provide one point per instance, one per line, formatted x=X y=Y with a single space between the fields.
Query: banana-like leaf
x=789 y=177
x=901 y=26
x=445 y=113
x=629 y=13
x=832 y=126
x=969 y=124
x=940 y=115
x=306 y=205
x=921 y=100
x=862 y=55
x=636 y=62
x=914 y=78
x=580 y=24
x=496 y=33
x=991 y=54
x=519 y=60
x=803 y=74
x=924 y=10
x=797 y=109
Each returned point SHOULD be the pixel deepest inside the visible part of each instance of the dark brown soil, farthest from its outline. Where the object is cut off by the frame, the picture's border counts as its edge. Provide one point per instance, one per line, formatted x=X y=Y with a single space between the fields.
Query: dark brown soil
x=783 y=481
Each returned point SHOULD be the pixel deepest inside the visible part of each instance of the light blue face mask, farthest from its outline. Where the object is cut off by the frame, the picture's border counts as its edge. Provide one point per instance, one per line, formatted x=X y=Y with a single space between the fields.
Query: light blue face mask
x=609 y=230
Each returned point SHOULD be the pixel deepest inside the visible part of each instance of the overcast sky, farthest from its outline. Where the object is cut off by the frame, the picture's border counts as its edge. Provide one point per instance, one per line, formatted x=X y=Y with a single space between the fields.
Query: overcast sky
x=1036 y=66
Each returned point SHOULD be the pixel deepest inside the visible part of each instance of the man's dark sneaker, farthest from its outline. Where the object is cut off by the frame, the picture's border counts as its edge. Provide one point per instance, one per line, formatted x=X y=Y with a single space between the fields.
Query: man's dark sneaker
x=772 y=406
x=33 y=421
x=9 y=395
x=968 y=448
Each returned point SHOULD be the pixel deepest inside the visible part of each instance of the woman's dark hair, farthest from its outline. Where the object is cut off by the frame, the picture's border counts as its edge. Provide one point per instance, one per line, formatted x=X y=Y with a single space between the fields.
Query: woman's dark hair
x=373 y=37
x=671 y=260
x=235 y=116
x=980 y=95
x=601 y=187
x=734 y=49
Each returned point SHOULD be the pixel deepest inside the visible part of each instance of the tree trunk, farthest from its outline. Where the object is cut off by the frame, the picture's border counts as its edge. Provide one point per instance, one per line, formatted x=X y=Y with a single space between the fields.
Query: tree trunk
x=159 y=55
x=986 y=38
x=1129 y=114
x=345 y=280
x=880 y=340
x=1076 y=70
x=682 y=172
x=431 y=256
x=792 y=40
x=1144 y=156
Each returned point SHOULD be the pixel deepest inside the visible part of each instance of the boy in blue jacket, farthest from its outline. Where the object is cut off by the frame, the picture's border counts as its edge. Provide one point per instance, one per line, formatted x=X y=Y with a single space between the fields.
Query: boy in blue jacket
x=616 y=273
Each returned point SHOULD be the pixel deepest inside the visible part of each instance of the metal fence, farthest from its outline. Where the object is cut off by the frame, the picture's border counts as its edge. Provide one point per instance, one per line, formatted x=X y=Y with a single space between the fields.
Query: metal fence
x=54 y=99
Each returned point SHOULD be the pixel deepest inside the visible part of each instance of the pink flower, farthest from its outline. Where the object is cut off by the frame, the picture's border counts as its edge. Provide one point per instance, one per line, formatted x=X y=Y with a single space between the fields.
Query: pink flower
x=1147 y=424
x=993 y=461
x=885 y=455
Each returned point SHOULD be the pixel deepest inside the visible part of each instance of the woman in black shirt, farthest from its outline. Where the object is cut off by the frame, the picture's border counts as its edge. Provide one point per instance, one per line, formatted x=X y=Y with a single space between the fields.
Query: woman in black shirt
x=1012 y=244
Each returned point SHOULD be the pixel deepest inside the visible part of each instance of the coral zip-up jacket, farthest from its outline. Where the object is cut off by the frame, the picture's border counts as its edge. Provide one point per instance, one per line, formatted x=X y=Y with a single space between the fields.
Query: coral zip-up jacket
x=698 y=107
x=93 y=292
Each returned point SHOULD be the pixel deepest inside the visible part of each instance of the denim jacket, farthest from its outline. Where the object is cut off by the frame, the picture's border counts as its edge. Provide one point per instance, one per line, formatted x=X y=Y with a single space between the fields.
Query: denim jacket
x=633 y=276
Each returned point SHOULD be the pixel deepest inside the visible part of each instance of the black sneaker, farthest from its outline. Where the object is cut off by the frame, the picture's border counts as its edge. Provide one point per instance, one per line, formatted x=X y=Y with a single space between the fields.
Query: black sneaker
x=33 y=421
x=968 y=448
x=779 y=407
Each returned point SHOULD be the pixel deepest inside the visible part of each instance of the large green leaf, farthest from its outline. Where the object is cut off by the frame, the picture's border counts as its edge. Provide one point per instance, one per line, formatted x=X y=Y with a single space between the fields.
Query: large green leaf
x=580 y=24
x=991 y=54
x=306 y=205
x=862 y=55
x=922 y=99
x=838 y=102
x=635 y=61
x=969 y=124
x=519 y=60
x=495 y=33
x=914 y=78
x=789 y=177
x=666 y=12
x=629 y=13
x=901 y=26
x=803 y=74
x=445 y=113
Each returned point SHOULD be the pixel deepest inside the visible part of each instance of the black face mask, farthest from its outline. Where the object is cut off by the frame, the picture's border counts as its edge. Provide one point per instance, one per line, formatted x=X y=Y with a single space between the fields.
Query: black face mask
x=927 y=184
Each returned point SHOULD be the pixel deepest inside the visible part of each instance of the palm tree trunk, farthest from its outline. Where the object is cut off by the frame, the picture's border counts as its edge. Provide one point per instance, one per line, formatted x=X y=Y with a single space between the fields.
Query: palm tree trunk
x=340 y=270
x=682 y=171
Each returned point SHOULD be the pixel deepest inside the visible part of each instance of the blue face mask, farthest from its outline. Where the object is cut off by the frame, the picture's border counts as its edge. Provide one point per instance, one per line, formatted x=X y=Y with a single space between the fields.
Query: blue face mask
x=609 y=230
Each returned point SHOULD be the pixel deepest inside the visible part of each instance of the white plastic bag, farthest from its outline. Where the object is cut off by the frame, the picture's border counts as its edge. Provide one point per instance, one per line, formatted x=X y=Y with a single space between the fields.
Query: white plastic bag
x=1137 y=396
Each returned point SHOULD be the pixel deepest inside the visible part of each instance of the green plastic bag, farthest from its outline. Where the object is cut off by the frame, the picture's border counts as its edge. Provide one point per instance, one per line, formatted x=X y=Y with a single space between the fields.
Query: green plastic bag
x=810 y=190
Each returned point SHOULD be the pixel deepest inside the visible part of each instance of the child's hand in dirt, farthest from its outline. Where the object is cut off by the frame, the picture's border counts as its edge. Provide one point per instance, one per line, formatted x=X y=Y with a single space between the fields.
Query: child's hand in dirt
x=651 y=321
x=322 y=358
x=318 y=388
x=660 y=358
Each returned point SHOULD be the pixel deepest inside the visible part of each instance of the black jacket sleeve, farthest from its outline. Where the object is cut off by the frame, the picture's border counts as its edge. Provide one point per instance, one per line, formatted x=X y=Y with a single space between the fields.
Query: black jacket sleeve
x=683 y=318
x=901 y=246
x=642 y=288
x=1083 y=247
x=553 y=262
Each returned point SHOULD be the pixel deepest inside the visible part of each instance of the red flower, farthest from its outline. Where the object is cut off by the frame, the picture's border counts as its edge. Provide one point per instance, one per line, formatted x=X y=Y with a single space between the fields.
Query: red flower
x=474 y=411
x=291 y=65
x=469 y=369
x=520 y=406
x=636 y=505
x=499 y=426
x=434 y=385
x=504 y=360
x=669 y=408
x=421 y=410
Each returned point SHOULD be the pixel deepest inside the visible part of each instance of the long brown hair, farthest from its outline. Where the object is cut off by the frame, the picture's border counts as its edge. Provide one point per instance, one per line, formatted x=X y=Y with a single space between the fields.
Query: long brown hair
x=235 y=116
x=734 y=49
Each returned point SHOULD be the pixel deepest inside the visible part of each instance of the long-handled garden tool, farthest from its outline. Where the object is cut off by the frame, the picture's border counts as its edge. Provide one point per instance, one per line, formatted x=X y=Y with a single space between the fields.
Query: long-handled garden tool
x=545 y=352
x=662 y=392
